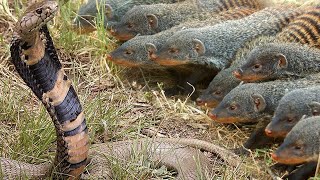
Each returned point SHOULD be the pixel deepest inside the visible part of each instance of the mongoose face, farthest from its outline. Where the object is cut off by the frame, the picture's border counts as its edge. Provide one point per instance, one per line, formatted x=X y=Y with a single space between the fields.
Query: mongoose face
x=301 y=144
x=182 y=48
x=242 y=104
x=262 y=63
x=292 y=107
x=136 y=20
x=133 y=53
x=218 y=88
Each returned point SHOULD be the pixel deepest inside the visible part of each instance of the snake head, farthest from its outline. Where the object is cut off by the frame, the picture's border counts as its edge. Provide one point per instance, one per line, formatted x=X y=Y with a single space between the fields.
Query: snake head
x=36 y=15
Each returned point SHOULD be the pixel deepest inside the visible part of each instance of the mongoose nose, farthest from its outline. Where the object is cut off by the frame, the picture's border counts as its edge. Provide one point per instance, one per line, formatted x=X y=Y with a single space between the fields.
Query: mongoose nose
x=212 y=116
x=274 y=156
x=199 y=102
x=268 y=132
x=236 y=73
x=109 y=57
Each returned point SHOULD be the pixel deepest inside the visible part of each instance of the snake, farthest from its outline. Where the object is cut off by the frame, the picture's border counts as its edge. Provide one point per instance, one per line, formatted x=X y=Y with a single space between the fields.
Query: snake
x=35 y=59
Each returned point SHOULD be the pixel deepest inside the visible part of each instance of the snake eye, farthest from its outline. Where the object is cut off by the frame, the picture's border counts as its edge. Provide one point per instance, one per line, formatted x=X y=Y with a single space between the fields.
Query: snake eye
x=39 y=11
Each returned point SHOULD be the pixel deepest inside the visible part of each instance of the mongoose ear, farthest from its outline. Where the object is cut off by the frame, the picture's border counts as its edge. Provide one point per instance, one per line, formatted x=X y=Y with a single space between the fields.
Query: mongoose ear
x=315 y=108
x=153 y=20
x=259 y=102
x=108 y=11
x=151 y=47
x=199 y=46
x=282 y=61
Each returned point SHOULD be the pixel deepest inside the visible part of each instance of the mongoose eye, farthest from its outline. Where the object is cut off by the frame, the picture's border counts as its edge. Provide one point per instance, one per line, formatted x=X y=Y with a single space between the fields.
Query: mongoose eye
x=217 y=92
x=39 y=11
x=130 y=26
x=232 y=107
x=256 y=67
x=289 y=119
x=128 y=52
x=297 y=147
x=173 y=50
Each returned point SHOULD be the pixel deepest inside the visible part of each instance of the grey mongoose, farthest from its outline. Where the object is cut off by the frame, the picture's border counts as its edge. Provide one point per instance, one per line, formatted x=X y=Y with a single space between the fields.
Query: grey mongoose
x=292 y=107
x=139 y=51
x=301 y=145
x=276 y=60
x=299 y=25
x=255 y=101
x=280 y=60
x=151 y=19
x=217 y=45
x=224 y=81
x=112 y=11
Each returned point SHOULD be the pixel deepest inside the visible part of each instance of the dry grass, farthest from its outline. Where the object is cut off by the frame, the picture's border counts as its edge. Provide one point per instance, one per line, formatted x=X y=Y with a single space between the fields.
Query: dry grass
x=117 y=107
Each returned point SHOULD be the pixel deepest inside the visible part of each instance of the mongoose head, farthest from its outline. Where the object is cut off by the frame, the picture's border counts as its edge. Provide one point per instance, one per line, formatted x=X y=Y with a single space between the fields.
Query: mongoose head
x=301 y=144
x=138 y=20
x=134 y=53
x=182 y=48
x=218 y=88
x=85 y=21
x=242 y=104
x=262 y=63
x=292 y=107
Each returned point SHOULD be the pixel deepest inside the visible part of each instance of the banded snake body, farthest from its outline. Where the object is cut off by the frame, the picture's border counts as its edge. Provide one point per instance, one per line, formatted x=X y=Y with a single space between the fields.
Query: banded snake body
x=35 y=59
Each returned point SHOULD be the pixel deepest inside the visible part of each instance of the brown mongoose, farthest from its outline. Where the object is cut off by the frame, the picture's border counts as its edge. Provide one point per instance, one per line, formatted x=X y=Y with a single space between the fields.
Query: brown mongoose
x=217 y=45
x=292 y=60
x=292 y=107
x=151 y=19
x=112 y=11
x=301 y=145
x=279 y=60
x=253 y=101
x=224 y=81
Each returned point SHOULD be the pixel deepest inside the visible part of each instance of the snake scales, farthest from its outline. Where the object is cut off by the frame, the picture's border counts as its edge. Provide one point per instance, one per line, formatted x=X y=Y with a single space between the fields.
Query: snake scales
x=35 y=58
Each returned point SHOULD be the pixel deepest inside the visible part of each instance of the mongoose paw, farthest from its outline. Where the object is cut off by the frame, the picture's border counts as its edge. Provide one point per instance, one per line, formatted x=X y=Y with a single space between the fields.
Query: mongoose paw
x=241 y=151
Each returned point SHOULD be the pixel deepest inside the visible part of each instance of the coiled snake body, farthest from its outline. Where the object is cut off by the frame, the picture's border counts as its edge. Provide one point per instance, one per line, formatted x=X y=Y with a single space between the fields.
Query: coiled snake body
x=35 y=58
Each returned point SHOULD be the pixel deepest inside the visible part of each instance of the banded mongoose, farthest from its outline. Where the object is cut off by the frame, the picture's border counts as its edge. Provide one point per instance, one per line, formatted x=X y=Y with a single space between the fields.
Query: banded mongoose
x=224 y=81
x=139 y=52
x=279 y=59
x=217 y=45
x=255 y=101
x=141 y=49
x=218 y=88
x=113 y=11
x=301 y=145
x=292 y=107
x=151 y=19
